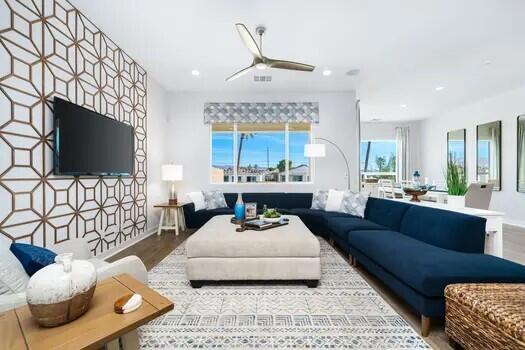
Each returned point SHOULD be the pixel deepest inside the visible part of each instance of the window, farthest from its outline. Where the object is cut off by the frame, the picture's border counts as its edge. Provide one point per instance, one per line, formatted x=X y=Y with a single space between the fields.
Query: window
x=259 y=153
x=378 y=159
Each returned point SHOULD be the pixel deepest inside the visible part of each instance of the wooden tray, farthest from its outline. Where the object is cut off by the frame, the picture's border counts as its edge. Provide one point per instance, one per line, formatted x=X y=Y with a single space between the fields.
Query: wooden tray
x=254 y=228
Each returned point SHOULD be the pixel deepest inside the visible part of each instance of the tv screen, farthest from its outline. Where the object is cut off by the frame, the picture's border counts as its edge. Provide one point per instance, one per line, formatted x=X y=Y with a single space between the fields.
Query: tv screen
x=88 y=143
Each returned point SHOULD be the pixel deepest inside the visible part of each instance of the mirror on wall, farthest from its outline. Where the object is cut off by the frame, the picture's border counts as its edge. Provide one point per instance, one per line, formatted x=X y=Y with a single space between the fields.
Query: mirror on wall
x=457 y=149
x=521 y=153
x=488 y=154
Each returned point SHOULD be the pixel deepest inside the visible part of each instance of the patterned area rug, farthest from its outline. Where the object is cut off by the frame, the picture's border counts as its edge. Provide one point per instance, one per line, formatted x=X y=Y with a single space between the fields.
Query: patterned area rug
x=343 y=312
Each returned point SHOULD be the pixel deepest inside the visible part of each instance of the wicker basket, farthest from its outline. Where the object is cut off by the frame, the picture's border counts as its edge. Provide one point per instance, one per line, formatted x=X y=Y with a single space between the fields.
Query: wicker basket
x=486 y=316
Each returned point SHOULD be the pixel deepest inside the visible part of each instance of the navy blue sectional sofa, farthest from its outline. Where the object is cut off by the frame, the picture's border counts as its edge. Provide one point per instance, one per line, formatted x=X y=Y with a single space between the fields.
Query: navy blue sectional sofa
x=416 y=251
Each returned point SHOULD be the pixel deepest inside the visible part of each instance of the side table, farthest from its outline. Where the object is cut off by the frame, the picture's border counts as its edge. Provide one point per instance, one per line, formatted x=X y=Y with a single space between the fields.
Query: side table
x=165 y=215
x=99 y=327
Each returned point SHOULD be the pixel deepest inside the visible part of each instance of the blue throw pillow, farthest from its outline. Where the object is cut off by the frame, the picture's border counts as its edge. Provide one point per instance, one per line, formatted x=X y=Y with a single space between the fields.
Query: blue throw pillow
x=31 y=257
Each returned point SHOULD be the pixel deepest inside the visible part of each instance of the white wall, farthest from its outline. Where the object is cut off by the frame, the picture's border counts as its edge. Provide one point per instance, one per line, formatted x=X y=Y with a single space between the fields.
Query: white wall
x=505 y=107
x=387 y=131
x=189 y=139
x=157 y=151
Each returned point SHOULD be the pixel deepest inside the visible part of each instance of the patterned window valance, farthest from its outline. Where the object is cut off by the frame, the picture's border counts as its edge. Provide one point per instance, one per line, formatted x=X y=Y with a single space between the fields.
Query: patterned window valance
x=239 y=112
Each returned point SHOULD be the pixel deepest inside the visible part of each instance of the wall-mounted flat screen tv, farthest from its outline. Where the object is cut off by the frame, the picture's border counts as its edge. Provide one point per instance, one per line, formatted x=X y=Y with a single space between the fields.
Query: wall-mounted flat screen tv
x=88 y=143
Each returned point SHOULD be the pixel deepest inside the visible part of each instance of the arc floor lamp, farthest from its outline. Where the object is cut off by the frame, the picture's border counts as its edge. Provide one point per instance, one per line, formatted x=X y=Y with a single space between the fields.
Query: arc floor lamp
x=318 y=150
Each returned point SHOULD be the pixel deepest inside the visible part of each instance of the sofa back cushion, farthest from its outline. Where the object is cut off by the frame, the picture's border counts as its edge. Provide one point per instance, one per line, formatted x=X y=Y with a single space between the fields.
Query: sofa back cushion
x=231 y=198
x=386 y=212
x=271 y=199
x=296 y=200
x=445 y=229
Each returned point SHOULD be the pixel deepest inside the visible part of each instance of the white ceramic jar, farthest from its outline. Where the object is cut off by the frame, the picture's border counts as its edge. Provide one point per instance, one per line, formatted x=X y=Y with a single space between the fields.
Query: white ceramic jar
x=61 y=292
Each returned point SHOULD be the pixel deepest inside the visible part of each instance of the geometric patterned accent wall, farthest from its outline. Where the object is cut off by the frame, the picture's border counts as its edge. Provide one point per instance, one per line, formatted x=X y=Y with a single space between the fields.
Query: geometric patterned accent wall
x=47 y=49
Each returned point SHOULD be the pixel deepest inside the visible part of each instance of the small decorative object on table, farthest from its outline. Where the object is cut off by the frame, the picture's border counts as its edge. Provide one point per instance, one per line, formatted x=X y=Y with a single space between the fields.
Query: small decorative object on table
x=250 y=211
x=271 y=216
x=239 y=208
x=415 y=193
x=128 y=303
x=61 y=292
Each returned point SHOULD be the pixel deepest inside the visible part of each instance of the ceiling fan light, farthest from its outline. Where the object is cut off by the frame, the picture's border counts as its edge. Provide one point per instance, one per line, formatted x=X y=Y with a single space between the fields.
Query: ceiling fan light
x=261 y=65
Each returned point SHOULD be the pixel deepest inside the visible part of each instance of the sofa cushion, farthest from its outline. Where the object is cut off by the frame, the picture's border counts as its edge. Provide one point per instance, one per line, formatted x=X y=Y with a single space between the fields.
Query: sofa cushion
x=386 y=212
x=270 y=199
x=444 y=228
x=315 y=219
x=296 y=200
x=429 y=269
x=340 y=226
x=32 y=258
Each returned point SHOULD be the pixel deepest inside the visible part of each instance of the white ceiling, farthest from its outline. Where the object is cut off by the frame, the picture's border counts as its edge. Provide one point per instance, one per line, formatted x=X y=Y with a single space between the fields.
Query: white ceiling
x=404 y=49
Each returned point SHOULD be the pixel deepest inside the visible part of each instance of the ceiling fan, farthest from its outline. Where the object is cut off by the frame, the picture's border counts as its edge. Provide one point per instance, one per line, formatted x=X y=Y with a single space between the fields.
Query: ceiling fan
x=260 y=61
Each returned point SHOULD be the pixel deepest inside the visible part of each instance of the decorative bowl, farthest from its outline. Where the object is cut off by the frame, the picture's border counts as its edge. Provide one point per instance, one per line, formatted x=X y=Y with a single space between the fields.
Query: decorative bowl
x=414 y=192
x=271 y=220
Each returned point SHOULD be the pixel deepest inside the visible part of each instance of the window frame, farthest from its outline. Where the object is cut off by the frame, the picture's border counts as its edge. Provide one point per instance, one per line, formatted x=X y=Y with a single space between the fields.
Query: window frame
x=287 y=157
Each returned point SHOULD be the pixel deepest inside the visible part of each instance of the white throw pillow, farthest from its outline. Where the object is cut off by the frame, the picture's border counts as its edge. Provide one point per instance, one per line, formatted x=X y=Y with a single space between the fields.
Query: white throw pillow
x=333 y=203
x=354 y=203
x=13 y=277
x=198 y=200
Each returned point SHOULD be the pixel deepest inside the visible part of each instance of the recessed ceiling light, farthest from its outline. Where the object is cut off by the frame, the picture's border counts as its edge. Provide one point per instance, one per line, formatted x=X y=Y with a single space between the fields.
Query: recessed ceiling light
x=195 y=73
x=487 y=63
x=327 y=72
x=439 y=88
x=403 y=106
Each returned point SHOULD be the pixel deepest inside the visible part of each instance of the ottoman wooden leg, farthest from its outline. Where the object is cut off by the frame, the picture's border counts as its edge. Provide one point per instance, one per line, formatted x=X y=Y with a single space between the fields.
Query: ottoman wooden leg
x=312 y=283
x=425 y=325
x=196 y=284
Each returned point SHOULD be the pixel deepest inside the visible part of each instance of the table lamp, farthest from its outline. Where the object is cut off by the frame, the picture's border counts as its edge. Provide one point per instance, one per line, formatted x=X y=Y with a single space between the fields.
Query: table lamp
x=172 y=172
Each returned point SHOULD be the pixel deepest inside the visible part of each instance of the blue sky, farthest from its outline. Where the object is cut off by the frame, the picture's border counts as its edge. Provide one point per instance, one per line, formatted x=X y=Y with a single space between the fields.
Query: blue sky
x=378 y=148
x=255 y=149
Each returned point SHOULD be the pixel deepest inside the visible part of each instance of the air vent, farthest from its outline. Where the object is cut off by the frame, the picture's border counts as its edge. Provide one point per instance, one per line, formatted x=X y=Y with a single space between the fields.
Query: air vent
x=262 y=78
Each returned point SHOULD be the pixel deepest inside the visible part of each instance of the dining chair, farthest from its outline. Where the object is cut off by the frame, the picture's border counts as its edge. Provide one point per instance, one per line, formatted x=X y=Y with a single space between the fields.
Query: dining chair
x=479 y=195
x=388 y=189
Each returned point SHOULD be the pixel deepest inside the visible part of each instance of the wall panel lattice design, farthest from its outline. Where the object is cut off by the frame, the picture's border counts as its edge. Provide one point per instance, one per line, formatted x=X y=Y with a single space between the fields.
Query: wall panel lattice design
x=47 y=49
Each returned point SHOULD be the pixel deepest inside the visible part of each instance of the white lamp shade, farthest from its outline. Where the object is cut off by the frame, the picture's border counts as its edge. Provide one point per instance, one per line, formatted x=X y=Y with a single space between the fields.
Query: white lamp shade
x=315 y=150
x=171 y=172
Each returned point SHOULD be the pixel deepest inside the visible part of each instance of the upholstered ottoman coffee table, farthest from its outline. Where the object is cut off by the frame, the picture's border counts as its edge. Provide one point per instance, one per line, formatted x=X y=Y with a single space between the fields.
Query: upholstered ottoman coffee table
x=216 y=252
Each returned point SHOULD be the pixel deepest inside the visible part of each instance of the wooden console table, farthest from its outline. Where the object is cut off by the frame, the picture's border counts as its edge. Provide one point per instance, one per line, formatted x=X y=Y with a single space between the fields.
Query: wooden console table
x=99 y=327
x=166 y=214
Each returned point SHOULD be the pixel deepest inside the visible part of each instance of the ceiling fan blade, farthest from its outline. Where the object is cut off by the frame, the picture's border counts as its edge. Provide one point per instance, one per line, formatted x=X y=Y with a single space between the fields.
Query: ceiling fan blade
x=248 y=40
x=240 y=73
x=289 y=65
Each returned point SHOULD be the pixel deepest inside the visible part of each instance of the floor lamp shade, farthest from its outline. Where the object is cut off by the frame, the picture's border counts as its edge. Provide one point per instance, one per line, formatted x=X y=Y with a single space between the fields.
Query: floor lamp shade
x=315 y=150
x=172 y=172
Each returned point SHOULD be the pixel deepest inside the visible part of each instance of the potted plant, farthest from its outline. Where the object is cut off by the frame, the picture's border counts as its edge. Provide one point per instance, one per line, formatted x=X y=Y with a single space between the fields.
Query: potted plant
x=456 y=185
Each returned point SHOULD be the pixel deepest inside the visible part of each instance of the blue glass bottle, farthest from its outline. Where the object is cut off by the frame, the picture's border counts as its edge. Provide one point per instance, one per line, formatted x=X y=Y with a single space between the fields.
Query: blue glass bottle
x=239 y=207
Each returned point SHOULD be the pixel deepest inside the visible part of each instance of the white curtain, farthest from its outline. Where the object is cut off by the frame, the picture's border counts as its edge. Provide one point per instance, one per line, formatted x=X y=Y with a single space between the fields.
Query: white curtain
x=402 y=158
x=494 y=155
x=521 y=155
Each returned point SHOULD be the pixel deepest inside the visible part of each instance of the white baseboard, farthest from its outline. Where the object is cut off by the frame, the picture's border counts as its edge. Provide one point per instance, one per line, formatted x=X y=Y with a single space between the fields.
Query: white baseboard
x=519 y=223
x=129 y=243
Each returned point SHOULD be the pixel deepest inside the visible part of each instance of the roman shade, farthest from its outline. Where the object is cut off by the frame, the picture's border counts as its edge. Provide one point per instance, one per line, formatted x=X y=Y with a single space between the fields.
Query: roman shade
x=257 y=112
